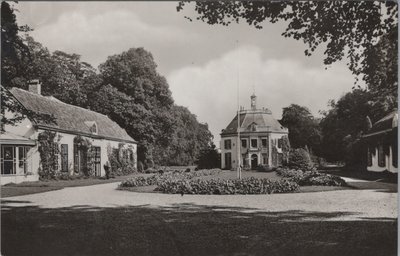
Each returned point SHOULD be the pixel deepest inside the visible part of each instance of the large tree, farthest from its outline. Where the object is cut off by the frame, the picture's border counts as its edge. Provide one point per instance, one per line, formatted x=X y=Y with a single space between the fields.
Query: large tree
x=363 y=32
x=303 y=127
x=343 y=125
x=13 y=49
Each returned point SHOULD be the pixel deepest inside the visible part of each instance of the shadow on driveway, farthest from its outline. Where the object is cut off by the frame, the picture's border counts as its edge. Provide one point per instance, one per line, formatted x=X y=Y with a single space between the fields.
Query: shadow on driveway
x=189 y=229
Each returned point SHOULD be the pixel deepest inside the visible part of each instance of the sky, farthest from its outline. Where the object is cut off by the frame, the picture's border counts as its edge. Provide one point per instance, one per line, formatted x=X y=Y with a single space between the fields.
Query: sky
x=206 y=66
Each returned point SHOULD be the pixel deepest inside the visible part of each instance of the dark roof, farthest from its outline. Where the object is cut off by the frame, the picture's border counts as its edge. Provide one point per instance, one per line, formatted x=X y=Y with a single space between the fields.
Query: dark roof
x=261 y=118
x=69 y=118
x=385 y=124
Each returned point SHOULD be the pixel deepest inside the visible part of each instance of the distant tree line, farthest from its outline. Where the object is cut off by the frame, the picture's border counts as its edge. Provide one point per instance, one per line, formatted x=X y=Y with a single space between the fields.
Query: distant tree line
x=127 y=88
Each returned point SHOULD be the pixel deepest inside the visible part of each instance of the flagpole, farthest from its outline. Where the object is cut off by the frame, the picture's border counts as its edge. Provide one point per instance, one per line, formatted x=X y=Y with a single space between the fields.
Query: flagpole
x=238 y=145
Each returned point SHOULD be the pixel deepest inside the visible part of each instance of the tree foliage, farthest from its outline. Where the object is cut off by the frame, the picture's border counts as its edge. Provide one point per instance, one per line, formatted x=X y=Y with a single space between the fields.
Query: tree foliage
x=303 y=127
x=364 y=32
x=128 y=89
x=343 y=125
x=13 y=49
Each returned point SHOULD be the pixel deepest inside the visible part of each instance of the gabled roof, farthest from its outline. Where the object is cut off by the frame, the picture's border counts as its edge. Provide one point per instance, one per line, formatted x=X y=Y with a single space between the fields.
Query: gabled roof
x=69 y=118
x=386 y=124
x=257 y=120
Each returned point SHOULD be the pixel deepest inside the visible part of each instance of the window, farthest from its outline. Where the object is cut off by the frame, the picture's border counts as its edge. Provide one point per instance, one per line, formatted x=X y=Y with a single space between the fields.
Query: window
x=64 y=157
x=369 y=156
x=264 y=143
x=97 y=160
x=265 y=158
x=244 y=143
x=279 y=143
x=381 y=156
x=8 y=160
x=93 y=128
x=228 y=160
x=253 y=143
x=22 y=164
x=227 y=144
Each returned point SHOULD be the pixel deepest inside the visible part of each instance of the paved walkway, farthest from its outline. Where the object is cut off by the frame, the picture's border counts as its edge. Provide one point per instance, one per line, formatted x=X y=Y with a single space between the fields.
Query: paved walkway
x=354 y=204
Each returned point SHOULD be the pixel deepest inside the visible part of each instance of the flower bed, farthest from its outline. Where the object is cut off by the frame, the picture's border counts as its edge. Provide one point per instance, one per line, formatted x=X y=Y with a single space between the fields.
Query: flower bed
x=310 y=178
x=140 y=181
x=226 y=187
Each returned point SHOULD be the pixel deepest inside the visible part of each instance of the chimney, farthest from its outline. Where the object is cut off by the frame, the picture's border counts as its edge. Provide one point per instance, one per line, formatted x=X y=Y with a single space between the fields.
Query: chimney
x=35 y=86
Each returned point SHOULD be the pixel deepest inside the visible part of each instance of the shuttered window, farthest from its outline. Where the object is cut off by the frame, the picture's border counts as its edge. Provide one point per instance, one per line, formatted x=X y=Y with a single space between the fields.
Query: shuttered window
x=64 y=157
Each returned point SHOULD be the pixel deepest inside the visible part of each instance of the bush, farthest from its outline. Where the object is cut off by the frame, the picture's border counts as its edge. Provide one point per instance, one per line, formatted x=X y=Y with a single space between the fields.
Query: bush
x=139 y=181
x=310 y=178
x=227 y=187
x=299 y=158
x=264 y=168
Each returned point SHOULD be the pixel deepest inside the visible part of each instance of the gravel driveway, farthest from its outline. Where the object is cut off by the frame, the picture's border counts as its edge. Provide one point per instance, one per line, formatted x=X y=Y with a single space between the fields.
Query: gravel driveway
x=357 y=204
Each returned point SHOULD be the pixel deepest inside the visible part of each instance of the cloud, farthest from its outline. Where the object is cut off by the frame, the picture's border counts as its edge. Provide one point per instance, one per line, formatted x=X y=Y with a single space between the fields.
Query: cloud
x=210 y=91
x=106 y=33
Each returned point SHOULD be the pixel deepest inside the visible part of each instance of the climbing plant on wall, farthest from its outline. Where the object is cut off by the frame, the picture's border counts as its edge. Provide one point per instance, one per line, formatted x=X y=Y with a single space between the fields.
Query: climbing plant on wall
x=84 y=145
x=285 y=150
x=49 y=151
x=122 y=159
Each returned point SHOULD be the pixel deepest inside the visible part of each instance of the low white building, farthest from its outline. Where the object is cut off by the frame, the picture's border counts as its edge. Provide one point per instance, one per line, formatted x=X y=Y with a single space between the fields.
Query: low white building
x=382 y=144
x=70 y=126
x=262 y=139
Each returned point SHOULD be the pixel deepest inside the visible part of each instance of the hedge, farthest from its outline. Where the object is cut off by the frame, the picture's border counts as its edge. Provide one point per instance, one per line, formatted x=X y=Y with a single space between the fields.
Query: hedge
x=227 y=187
x=310 y=178
x=140 y=181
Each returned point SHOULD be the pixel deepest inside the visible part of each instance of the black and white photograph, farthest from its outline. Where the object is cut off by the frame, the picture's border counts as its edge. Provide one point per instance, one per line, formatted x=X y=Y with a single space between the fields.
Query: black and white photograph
x=204 y=128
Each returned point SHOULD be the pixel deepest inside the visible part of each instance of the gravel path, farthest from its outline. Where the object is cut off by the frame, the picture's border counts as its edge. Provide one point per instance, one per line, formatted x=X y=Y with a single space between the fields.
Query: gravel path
x=354 y=204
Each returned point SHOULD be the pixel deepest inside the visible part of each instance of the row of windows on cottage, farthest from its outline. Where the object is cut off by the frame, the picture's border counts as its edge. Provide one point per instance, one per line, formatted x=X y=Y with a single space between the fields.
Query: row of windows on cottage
x=253 y=143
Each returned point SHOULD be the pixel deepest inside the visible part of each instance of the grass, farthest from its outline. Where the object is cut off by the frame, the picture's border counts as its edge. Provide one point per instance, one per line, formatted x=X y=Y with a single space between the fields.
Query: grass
x=189 y=229
x=26 y=188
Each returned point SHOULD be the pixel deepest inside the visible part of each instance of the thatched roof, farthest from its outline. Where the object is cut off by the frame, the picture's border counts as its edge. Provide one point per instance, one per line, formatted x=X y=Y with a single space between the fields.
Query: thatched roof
x=69 y=118
x=384 y=125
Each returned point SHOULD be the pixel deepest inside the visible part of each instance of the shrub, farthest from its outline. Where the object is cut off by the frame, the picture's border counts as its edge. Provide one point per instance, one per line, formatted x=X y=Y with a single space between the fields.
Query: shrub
x=139 y=181
x=310 y=178
x=264 y=168
x=300 y=158
x=216 y=186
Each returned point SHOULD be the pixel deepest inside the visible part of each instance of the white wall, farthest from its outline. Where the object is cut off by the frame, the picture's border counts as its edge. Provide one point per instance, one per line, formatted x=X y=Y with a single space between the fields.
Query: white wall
x=248 y=137
x=388 y=162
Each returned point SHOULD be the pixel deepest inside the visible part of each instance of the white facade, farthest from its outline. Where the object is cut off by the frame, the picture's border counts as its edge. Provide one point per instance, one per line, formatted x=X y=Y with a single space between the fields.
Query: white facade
x=20 y=157
x=255 y=143
x=382 y=144
x=386 y=164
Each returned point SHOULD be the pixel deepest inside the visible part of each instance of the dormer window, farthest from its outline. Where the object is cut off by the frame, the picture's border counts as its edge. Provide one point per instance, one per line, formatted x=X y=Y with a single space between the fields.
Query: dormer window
x=92 y=127
x=252 y=127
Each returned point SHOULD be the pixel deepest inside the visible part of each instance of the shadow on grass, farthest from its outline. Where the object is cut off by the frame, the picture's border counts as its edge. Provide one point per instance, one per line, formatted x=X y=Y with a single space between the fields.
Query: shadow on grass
x=189 y=229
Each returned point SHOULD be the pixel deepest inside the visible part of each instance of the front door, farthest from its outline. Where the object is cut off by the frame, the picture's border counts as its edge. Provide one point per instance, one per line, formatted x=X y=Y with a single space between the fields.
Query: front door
x=254 y=161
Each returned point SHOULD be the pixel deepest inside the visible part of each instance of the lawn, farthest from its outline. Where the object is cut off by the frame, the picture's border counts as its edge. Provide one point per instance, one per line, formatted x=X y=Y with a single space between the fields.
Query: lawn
x=189 y=229
x=25 y=188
